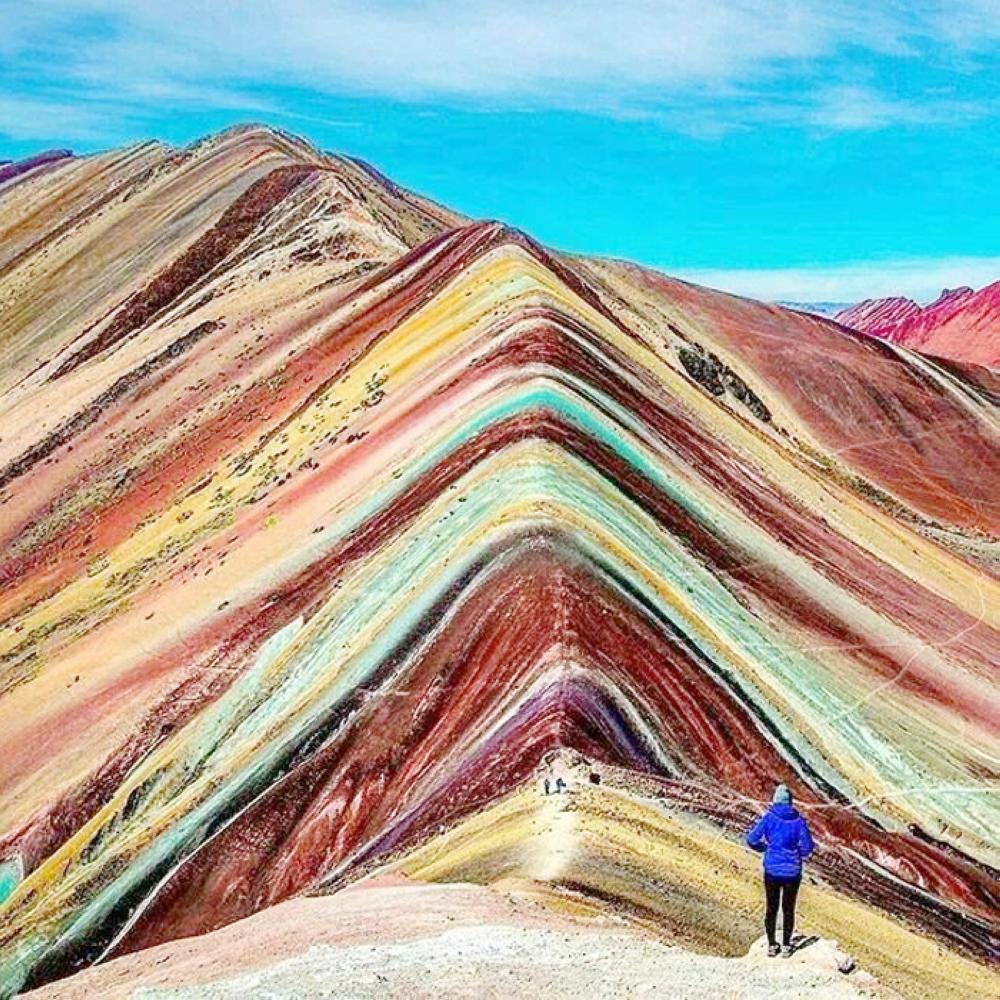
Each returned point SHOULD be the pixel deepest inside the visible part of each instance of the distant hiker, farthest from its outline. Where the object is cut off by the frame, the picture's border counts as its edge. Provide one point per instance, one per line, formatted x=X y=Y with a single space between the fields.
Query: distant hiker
x=547 y=785
x=560 y=786
x=783 y=837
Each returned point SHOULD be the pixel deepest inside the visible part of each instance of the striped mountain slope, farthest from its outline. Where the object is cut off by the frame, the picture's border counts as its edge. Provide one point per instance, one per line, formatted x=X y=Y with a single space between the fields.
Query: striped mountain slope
x=332 y=519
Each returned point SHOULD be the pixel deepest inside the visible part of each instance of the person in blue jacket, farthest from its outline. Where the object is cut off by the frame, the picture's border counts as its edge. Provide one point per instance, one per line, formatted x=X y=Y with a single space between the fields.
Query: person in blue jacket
x=783 y=837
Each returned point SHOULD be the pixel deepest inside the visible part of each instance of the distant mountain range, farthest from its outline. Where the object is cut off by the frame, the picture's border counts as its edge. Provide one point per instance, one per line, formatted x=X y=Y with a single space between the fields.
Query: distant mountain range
x=819 y=308
x=961 y=323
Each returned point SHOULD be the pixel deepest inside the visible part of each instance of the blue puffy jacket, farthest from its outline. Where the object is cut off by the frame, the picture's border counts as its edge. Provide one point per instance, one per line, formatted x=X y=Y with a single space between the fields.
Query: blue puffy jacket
x=782 y=834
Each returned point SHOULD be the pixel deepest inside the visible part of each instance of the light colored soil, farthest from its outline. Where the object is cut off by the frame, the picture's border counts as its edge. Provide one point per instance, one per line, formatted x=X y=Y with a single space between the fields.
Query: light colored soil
x=390 y=937
x=506 y=962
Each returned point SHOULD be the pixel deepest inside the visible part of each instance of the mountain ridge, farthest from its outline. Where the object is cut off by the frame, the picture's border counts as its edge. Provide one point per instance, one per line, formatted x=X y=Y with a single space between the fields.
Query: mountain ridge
x=962 y=324
x=368 y=511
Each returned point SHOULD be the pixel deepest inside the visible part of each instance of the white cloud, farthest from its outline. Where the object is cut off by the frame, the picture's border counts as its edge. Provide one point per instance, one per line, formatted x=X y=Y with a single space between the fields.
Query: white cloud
x=851 y=106
x=703 y=66
x=915 y=278
x=518 y=48
x=43 y=118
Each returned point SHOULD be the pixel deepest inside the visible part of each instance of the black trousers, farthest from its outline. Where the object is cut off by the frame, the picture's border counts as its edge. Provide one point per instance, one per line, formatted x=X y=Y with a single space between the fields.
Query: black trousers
x=784 y=890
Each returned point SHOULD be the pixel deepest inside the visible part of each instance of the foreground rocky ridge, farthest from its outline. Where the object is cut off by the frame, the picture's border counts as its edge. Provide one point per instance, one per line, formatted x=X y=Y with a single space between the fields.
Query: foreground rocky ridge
x=330 y=517
x=392 y=938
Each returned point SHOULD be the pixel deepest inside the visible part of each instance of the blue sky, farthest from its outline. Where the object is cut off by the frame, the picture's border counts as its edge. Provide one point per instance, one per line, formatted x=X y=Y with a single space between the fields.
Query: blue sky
x=788 y=149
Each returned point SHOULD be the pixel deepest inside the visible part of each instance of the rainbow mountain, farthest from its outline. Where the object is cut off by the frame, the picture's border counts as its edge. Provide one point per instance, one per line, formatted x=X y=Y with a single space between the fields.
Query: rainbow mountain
x=334 y=522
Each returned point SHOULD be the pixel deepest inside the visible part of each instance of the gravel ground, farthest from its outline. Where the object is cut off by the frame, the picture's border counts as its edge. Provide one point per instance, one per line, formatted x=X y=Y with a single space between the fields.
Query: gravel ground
x=530 y=962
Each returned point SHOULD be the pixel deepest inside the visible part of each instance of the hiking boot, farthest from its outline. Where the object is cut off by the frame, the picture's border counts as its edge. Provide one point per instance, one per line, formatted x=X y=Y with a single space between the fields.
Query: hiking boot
x=772 y=950
x=786 y=951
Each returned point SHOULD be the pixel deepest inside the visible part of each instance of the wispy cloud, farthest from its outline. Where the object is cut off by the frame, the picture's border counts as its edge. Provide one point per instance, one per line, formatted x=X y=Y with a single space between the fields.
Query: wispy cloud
x=853 y=106
x=700 y=67
x=921 y=279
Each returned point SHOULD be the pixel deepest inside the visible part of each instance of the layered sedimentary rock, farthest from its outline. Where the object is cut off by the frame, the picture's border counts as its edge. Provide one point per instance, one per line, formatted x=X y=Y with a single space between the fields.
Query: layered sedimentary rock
x=961 y=324
x=332 y=521
x=11 y=170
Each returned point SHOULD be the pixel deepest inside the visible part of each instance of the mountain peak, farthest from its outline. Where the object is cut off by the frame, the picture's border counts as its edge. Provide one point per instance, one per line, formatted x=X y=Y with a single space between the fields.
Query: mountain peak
x=960 y=323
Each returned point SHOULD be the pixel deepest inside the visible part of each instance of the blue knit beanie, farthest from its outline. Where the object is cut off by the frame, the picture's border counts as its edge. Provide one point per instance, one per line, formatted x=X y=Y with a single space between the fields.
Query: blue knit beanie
x=782 y=793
